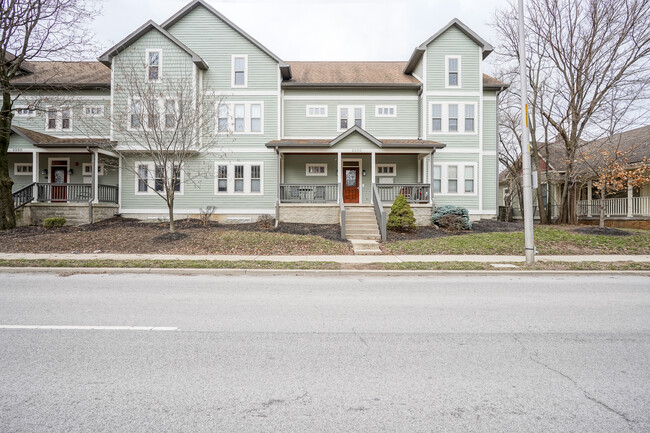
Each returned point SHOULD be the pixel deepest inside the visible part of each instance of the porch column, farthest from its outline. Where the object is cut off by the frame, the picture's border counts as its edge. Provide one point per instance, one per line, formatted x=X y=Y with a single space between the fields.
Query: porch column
x=278 y=165
x=431 y=177
x=589 y=185
x=339 y=175
x=373 y=176
x=630 y=196
x=36 y=172
x=95 y=161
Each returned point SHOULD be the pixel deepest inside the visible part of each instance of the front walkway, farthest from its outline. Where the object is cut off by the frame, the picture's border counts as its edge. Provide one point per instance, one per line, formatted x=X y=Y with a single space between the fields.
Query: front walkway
x=332 y=258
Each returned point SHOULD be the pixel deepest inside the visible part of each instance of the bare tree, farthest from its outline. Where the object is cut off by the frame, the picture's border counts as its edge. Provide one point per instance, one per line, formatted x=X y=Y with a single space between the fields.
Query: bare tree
x=34 y=29
x=588 y=70
x=163 y=129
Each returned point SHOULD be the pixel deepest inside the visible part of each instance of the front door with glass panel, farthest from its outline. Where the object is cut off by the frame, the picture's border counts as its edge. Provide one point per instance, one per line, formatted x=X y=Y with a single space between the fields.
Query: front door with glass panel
x=59 y=177
x=350 y=184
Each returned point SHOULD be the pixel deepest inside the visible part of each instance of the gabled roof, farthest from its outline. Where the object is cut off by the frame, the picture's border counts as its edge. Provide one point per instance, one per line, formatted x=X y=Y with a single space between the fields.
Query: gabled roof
x=64 y=75
x=107 y=57
x=384 y=144
x=419 y=51
x=44 y=140
x=284 y=68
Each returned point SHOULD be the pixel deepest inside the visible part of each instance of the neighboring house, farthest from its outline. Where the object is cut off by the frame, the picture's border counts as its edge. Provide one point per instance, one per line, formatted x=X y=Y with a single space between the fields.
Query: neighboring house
x=305 y=141
x=634 y=203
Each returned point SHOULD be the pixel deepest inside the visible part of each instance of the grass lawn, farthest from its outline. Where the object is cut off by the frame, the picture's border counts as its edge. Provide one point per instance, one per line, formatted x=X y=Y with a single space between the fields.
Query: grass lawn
x=548 y=240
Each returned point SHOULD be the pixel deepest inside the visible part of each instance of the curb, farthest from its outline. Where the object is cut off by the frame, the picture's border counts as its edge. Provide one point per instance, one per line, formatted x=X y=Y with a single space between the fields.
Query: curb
x=301 y=272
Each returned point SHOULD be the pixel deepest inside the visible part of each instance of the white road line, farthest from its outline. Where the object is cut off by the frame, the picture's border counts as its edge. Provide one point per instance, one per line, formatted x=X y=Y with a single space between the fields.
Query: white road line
x=92 y=328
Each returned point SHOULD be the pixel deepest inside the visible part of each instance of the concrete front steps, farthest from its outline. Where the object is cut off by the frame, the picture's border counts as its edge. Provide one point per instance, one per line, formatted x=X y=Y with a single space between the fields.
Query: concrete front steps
x=361 y=230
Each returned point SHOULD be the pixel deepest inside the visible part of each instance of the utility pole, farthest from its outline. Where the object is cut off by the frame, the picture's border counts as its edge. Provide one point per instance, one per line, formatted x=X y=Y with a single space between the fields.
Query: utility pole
x=525 y=145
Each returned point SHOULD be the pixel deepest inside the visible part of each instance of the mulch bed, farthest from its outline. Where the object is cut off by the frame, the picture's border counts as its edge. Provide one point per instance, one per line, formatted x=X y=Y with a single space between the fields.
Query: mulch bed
x=126 y=235
x=431 y=232
x=606 y=231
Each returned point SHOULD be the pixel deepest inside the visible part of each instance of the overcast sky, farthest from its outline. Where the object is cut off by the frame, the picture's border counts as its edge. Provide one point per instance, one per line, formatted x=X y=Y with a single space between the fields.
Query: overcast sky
x=317 y=29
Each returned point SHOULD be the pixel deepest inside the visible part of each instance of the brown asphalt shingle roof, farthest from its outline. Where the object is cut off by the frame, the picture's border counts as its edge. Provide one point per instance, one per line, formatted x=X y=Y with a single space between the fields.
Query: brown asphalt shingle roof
x=54 y=74
x=45 y=140
x=359 y=74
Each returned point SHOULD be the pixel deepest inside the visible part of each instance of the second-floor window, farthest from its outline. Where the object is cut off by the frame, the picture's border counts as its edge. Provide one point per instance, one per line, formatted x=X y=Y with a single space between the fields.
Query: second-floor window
x=351 y=116
x=170 y=113
x=154 y=63
x=240 y=117
x=453 y=71
x=436 y=118
x=58 y=119
x=240 y=71
x=453 y=117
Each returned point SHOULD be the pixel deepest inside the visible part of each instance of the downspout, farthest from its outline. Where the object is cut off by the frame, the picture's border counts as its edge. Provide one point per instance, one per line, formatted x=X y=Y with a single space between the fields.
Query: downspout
x=277 y=199
x=420 y=113
x=92 y=186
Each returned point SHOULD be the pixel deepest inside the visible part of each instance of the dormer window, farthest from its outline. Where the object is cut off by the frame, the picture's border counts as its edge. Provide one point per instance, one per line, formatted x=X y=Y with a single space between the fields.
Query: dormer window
x=453 y=71
x=239 y=71
x=154 y=62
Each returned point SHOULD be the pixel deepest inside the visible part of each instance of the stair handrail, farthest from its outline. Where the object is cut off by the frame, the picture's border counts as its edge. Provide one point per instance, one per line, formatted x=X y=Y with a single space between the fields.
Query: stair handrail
x=23 y=196
x=341 y=211
x=380 y=213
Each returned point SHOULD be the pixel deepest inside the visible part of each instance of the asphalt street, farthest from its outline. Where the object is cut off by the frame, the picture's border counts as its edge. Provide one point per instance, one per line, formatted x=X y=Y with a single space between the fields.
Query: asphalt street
x=499 y=353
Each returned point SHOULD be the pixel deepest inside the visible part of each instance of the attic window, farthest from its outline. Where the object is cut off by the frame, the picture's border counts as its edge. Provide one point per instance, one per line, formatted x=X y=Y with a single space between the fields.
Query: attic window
x=154 y=60
x=453 y=71
x=239 y=71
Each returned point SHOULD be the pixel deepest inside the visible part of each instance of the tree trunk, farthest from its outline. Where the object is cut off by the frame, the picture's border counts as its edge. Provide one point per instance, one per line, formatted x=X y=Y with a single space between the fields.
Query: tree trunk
x=7 y=211
x=170 y=207
x=601 y=220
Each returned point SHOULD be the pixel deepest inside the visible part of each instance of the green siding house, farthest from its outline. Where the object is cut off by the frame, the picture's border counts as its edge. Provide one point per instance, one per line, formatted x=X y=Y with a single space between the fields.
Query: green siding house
x=304 y=141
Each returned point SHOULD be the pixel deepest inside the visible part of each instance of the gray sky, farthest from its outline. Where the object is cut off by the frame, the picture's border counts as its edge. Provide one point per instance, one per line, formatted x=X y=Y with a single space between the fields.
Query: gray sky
x=318 y=29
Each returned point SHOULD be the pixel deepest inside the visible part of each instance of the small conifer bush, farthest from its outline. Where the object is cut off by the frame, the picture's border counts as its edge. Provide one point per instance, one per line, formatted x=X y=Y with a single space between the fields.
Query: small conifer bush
x=401 y=215
x=441 y=217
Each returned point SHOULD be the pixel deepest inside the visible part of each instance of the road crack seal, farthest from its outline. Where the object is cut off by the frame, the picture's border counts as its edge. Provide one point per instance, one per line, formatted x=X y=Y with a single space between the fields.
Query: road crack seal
x=586 y=393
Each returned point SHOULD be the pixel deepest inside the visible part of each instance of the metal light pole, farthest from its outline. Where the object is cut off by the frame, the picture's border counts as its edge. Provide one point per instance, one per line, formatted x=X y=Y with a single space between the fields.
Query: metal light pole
x=525 y=151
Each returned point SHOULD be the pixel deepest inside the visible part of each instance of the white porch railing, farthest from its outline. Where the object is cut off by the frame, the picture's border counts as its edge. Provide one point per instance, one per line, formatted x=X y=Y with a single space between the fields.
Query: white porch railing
x=625 y=207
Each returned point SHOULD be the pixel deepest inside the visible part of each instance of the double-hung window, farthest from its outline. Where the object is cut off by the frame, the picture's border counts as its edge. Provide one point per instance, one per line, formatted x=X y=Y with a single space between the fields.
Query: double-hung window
x=58 y=119
x=240 y=110
x=351 y=115
x=222 y=178
x=437 y=178
x=239 y=178
x=150 y=178
x=159 y=178
x=452 y=178
x=143 y=176
x=256 y=178
x=453 y=117
x=222 y=121
x=240 y=117
x=51 y=117
x=469 y=118
x=453 y=71
x=239 y=71
x=469 y=178
x=154 y=63
x=256 y=118
x=170 y=113
x=66 y=119
x=436 y=117
x=136 y=114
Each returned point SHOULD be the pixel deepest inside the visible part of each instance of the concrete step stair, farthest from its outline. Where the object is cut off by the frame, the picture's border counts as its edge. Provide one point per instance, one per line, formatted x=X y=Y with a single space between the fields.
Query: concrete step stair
x=365 y=247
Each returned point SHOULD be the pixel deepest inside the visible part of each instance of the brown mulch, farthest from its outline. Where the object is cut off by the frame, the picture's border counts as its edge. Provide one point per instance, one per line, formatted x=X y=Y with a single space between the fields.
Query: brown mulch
x=430 y=232
x=126 y=235
x=605 y=231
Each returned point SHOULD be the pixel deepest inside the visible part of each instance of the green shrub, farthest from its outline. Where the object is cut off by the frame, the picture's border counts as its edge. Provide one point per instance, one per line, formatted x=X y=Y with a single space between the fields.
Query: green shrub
x=440 y=218
x=48 y=223
x=401 y=215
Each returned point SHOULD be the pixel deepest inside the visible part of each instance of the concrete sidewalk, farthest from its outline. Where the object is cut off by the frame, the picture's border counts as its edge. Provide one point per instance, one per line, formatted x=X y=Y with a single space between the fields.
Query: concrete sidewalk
x=332 y=258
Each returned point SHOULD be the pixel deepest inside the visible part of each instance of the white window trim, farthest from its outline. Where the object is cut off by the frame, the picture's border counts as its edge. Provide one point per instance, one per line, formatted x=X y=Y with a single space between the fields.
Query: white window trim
x=232 y=70
x=378 y=108
x=160 y=65
x=59 y=118
x=351 y=109
x=151 y=169
x=100 y=169
x=247 y=117
x=31 y=112
x=23 y=164
x=377 y=173
x=460 y=177
x=460 y=69
x=461 y=117
x=231 y=178
x=90 y=107
x=316 y=107
x=163 y=110
x=310 y=164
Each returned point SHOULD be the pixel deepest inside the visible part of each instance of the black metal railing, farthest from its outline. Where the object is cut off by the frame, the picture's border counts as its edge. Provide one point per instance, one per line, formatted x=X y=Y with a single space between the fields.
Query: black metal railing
x=414 y=192
x=64 y=192
x=23 y=196
x=303 y=193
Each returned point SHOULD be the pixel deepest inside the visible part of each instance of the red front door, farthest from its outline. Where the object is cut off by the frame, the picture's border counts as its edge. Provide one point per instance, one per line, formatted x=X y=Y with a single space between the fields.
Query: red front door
x=59 y=178
x=351 y=185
